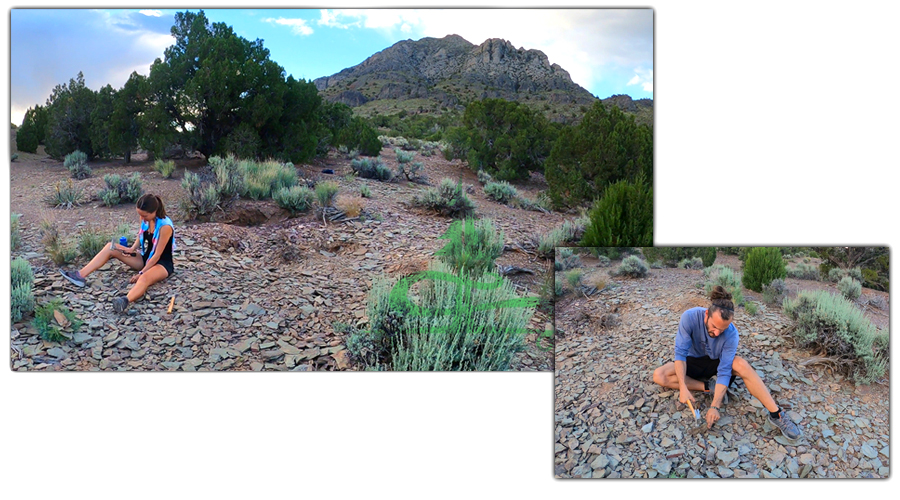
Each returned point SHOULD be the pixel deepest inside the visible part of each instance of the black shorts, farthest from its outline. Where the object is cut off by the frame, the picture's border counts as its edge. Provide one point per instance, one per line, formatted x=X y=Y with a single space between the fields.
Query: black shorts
x=168 y=264
x=703 y=368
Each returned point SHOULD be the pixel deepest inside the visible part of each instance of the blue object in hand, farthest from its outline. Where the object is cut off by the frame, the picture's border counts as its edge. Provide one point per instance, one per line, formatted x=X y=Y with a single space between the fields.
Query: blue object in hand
x=123 y=241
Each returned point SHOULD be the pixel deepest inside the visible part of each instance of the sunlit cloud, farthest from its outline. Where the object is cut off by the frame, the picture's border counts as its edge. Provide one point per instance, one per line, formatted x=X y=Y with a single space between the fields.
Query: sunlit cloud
x=298 y=26
x=644 y=78
x=151 y=13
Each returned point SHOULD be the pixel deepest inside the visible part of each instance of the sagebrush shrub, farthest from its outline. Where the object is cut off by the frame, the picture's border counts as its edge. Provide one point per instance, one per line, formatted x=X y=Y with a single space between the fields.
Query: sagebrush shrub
x=410 y=171
x=763 y=265
x=92 y=241
x=573 y=276
x=404 y=156
x=325 y=193
x=295 y=199
x=203 y=198
x=261 y=179
x=65 y=195
x=850 y=288
x=365 y=192
x=566 y=259
x=21 y=272
x=604 y=261
x=633 y=267
x=775 y=291
x=76 y=163
x=692 y=263
x=502 y=192
x=484 y=177
x=803 y=272
x=448 y=199
x=121 y=190
x=751 y=308
x=472 y=246
x=447 y=330
x=567 y=232
x=229 y=177
x=21 y=301
x=371 y=168
x=835 y=274
x=855 y=273
x=165 y=168
x=15 y=236
x=832 y=325
x=727 y=278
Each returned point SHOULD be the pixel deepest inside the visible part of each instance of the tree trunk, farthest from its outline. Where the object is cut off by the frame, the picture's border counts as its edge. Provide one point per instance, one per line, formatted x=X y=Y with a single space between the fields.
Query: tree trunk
x=127 y=156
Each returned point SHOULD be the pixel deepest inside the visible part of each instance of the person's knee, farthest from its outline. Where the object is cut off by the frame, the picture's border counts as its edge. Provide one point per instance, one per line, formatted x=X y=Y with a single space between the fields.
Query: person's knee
x=659 y=376
x=741 y=366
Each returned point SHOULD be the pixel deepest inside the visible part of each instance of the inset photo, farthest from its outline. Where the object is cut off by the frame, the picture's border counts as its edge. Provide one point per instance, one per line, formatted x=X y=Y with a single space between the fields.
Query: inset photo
x=720 y=362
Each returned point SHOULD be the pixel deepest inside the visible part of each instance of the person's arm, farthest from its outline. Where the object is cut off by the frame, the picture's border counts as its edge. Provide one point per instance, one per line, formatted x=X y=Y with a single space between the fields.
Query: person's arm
x=165 y=233
x=723 y=377
x=682 y=349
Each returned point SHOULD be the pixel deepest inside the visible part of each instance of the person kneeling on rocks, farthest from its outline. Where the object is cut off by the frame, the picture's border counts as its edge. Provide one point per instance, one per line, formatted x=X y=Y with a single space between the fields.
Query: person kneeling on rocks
x=706 y=360
x=156 y=239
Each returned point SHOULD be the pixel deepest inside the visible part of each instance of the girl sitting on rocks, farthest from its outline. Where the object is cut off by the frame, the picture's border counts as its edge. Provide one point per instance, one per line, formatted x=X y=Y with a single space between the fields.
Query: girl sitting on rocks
x=156 y=240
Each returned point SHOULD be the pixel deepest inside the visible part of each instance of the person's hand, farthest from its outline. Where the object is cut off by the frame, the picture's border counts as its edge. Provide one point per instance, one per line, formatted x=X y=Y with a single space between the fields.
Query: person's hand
x=134 y=278
x=685 y=395
x=712 y=416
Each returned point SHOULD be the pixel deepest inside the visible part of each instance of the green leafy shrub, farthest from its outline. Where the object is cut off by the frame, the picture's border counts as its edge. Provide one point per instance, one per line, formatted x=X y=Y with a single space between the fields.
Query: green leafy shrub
x=15 y=236
x=484 y=177
x=832 y=325
x=835 y=274
x=325 y=193
x=295 y=199
x=371 y=168
x=633 y=267
x=65 y=195
x=165 y=168
x=850 y=288
x=803 y=272
x=450 y=329
x=472 y=247
x=121 y=190
x=76 y=163
x=448 y=199
x=229 y=177
x=46 y=324
x=365 y=192
x=604 y=261
x=410 y=171
x=774 y=292
x=763 y=265
x=502 y=192
x=622 y=216
x=727 y=278
x=404 y=156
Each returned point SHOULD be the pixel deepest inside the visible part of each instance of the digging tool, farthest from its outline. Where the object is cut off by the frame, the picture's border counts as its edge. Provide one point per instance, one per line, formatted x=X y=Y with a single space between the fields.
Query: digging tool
x=171 y=304
x=699 y=424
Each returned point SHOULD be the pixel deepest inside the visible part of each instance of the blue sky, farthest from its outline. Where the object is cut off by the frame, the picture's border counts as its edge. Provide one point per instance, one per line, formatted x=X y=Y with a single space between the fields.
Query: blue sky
x=606 y=51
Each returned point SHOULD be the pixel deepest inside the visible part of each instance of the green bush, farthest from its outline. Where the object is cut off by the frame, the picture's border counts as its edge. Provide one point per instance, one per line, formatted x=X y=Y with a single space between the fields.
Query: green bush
x=803 y=272
x=566 y=259
x=229 y=177
x=365 y=192
x=76 y=163
x=763 y=265
x=450 y=329
x=692 y=263
x=622 y=216
x=850 y=288
x=21 y=301
x=14 y=157
x=727 y=278
x=501 y=192
x=633 y=267
x=751 y=308
x=672 y=256
x=91 y=242
x=261 y=179
x=21 y=272
x=472 y=247
x=325 y=193
x=371 y=168
x=203 y=198
x=404 y=156
x=121 y=190
x=604 y=261
x=835 y=274
x=832 y=325
x=410 y=171
x=775 y=291
x=448 y=199
x=45 y=322
x=574 y=277
x=484 y=177
x=15 y=236
x=295 y=199
x=66 y=195
x=165 y=168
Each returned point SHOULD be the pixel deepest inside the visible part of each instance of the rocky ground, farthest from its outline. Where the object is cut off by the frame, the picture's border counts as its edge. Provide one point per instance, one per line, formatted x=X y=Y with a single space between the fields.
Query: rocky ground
x=247 y=298
x=611 y=420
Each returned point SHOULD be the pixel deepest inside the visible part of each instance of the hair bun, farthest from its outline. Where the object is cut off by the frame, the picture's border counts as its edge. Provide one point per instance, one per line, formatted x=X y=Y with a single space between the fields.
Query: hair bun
x=719 y=292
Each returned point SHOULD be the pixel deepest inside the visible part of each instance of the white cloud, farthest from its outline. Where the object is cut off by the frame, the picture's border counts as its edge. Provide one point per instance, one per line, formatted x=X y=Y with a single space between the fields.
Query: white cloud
x=151 y=13
x=644 y=78
x=298 y=26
